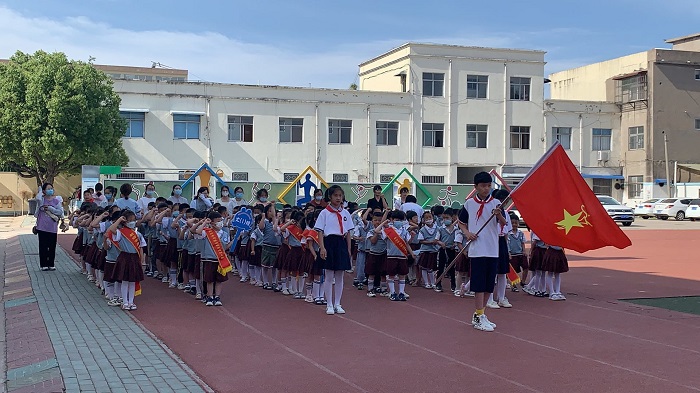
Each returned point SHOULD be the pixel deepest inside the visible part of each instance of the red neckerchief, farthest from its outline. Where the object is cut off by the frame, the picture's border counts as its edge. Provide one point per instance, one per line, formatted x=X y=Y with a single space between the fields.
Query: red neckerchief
x=338 y=215
x=482 y=204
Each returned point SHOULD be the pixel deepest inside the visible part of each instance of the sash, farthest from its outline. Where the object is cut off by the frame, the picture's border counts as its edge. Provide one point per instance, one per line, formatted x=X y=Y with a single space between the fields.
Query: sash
x=297 y=232
x=311 y=233
x=397 y=241
x=133 y=238
x=224 y=263
x=339 y=216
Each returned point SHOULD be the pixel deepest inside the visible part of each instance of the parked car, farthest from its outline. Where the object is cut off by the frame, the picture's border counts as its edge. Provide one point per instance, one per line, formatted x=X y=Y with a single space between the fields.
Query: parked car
x=671 y=207
x=646 y=208
x=693 y=211
x=617 y=211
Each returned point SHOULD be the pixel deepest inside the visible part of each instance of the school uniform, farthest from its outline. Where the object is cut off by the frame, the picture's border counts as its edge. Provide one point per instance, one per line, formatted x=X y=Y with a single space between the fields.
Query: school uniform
x=99 y=263
x=242 y=250
x=295 y=252
x=483 y=252
x=162 y=247
x=78 y=242
x=210 y=261
x=554 y=260
x=335 y=224
x=129 y=204
x=360 y=232
x=111 y=255
x=396 y=261
x=462 y=264
x=281 y=262
x=173 y=254
x=447 y=253
x=254 y=259
x=271 y=242
x=518 y=259
x=428 y=259
x=537 y=252
x=128 y=266
x=503 y=259
x=375 y=262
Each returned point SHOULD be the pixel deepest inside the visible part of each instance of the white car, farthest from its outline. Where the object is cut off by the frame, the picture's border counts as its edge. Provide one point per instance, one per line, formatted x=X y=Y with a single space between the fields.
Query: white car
x=671 y=207
x=617 y=211
x=646 y=208
x=693 y=211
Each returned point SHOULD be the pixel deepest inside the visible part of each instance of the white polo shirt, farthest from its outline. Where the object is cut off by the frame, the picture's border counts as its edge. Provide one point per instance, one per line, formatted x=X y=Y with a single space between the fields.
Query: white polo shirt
x=328 y=222
x=486 y=244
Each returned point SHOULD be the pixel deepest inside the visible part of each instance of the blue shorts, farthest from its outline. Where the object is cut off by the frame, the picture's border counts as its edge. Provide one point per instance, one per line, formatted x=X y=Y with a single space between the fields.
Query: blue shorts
x=483 y=277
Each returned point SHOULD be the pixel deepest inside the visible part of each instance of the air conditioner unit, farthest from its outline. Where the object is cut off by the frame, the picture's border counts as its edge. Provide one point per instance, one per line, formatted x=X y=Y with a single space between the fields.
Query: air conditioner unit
x=603 y=156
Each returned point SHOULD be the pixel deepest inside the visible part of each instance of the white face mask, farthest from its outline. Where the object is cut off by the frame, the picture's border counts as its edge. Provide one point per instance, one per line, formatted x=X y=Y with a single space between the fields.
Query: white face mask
x=219 y=224
x=131 y=224
x=224 y=193
x=428 y=222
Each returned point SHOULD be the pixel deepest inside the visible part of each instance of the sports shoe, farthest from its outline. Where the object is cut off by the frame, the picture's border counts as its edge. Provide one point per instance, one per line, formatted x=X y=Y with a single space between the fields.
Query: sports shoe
x=187 y=288
x=360 y=286
x=276 y=288
x=403 y=297
x=475 y=319
x=330 y=310
x=217 y=301
x=428 y=286
x=259 y=284
x=165 y=279
x=114 y=302
x=458 y=293
x=210 y=301
x=504 y=303
x=242 y=279
x=557 y=296
x=339 y=309
x=286 y=292
x=309 y=299
x=394 y=297
x=493 y=325
x=514 y=289
x=172 y=285
x=528 y=290
x=407 y=297
x=181 y=286
x=372 y=293
x=492 y=304
x=437 y=288
x=89 y=277
x=482 y=324
x=198 y=296
x=298 y=295
x=149 y=274
x=470 y=293
x=132 y=307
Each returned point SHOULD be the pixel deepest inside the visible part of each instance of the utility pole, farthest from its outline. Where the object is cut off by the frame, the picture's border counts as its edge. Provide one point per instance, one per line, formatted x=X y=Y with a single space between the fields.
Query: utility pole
x=668 y=173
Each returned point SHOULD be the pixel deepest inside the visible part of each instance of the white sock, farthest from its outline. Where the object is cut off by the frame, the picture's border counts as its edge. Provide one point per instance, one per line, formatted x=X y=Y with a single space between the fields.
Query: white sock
x=244 y=269
x=132 y=291
x=542 y=281
x=468 y=286
x=125 y=292
x=425 y=277
x=402 y=286
x=309 y=289
x=370 y=283
x=338 y=286
x=173 y=276
x=198 y=285
x=557 y=283
x=392 y=287
x=109 y=289
x=316 y=291
x=328 y=286
x=550 y=282
x=501 y=286
x=88 y=267
x=284 y=283
x=118 y=289
x=490 y=297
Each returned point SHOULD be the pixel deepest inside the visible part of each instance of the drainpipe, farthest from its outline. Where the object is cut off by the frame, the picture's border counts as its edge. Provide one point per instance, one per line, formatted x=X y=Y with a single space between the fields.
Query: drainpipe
x=580 y=143
x=505 y=113
x=317 y=151
x=207 y=129
x=369 y=133
x=674 y=188
x=448 y=137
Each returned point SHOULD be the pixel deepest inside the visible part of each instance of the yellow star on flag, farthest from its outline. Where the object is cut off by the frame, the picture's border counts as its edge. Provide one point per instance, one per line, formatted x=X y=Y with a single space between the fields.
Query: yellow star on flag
x=570 y=221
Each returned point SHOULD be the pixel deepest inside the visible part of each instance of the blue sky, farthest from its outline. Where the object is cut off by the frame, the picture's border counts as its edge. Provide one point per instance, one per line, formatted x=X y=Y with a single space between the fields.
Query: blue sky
x=320 y=43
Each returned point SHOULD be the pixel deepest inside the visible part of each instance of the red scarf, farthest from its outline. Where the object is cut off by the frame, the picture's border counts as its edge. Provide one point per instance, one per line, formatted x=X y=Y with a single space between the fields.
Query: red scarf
x=482 y=204
x=339 y=216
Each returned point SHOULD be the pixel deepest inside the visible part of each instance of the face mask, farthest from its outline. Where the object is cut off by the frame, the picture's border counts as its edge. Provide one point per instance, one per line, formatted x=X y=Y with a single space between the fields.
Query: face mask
x=175 y=214
x=239 y=195
x=108 y=196
x=224 y=193
x=150 y=192
x=177 y=192
x=428 y=222
x=318 y=198
x=448 y=222
x=398 y=224
x=263 y=199
x=131 y=224
x=219 y=224
x=49 y=192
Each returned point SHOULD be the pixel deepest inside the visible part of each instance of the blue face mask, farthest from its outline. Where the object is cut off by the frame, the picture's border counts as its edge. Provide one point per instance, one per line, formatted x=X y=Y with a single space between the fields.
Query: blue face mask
x=263 y=199
x=177 y=192
x=239 y=195
x=398 y=224
x=319 y=197
x=175 y=214
x=108 y=196
x=49 y=192
x=150 y=193
x=447 y=222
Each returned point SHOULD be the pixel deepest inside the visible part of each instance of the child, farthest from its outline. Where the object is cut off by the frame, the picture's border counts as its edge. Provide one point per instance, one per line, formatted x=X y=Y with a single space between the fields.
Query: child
x=112 y=286
x=360 y=239
x=462 y=266
x=376 y=257
x=172 y=232
x=555 y=263
x=475 y=216
x=294 y=232
x=190 y=245
x=313 y=264
x=214 y=260
x=243 y=254
x=428 y=237
x=397 y=253
x=128 y=268
x=536 y=286
x=271 y=242
x=498 y=299
x=447 y=248
x=281 y=267
x=125 y=203
x=162 y=238
x=255 y=252
x=334 y=225
x=413 y=228
x=516 y=249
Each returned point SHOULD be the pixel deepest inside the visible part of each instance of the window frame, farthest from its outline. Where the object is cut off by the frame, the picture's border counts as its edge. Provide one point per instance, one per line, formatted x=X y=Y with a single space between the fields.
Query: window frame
x=635 y=186
x=523 y=90
x=186 y=119
x=127 y=116
x=340 y=126
x=476 y=129
x=559 y=132
x=429 y=78
x=432 y=179
x=518 y=131
x=384 y=126
x=433 y=131
x=697 y=124
x=697 y=74
x=240 y=121
x=292 y=127
x=478 y=85
x=637 y=137
x=602 y=189
x=601 y=138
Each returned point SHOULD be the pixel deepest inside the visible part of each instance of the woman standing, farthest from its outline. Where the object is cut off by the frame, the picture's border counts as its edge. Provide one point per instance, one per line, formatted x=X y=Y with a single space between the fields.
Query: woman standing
x=176 y=195
x=318 y=202
x=225 y=199
x=238 y=198
x=48 y=213
x=148 y=197
x=202 y=202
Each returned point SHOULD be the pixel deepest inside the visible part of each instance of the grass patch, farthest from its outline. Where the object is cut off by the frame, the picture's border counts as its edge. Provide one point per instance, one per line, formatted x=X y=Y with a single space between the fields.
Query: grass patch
x=685 y=304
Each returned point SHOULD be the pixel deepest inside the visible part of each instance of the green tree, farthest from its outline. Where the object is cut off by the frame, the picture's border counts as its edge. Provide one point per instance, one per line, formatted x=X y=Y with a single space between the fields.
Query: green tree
x=57 y=115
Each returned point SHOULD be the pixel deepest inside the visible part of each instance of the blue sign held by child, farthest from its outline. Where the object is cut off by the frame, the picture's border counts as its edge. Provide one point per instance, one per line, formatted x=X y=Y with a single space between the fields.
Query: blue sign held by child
x=242 y=221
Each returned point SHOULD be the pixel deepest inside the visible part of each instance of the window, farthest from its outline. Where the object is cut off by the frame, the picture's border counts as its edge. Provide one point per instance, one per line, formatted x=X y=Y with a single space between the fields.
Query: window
x=519 y=137
x=602 y=186
x=697 y=75
x=631 y=89
x=563 y=135
x=697 y=124
x=636 y=138
x=135 y=124
x=385 y=178
x=239 y=176
x=291 y=130
x=290 y=176
x=387 y=133
x=340 y=178
x=635 y=186
x=432 y=179
x=339 y=131
x=131 y=175
x=601 y=139
x=519 y=88
x=186 y=126
x=477 y=86
x=433 y=134
x=433 y=83
x=476 y=136
x=240 y=128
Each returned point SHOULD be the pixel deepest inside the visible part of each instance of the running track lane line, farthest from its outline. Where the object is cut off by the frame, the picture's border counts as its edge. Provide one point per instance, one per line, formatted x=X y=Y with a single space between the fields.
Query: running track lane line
x=566 y=352
x=292 y=351
x=449 y=358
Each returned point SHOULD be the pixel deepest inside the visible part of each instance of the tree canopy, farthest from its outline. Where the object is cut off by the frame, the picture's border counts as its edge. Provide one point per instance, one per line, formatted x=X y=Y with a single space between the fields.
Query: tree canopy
x=57 y=115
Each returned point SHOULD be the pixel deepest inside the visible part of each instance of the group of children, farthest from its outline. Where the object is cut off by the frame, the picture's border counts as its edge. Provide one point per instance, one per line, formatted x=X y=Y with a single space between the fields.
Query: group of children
x=304 y=252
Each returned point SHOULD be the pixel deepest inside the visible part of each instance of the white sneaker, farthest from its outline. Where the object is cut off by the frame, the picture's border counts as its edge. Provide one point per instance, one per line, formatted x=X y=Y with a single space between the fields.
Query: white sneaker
x=556 y=297
x=492 y=304
x=330 y=310
x=458 y=293
x=165 y=279
x=504 y=303
x=181 y=286
x=483 y=324
x=309 y=299
x=470 y=293
x=286 y=292
x=172 y=285
x=493 y=325
x=406 y=295
x=339 y=310
x=90 y=278
x=242 y=279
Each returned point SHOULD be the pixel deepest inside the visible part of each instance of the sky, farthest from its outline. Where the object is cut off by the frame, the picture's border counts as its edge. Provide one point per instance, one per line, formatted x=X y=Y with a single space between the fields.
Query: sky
x=321 y=43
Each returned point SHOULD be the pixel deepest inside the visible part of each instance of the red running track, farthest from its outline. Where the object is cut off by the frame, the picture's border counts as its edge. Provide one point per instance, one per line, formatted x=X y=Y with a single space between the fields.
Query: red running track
x=261 y=341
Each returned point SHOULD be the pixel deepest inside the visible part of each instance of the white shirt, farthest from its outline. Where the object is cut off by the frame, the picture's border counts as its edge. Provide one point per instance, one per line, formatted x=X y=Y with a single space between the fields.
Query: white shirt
x=486 y=244
x=411 y=206
x=144 y=201
x=227 y=204
x=397 y=203
x=508 y=228
x=235 y=203
x=328 y=222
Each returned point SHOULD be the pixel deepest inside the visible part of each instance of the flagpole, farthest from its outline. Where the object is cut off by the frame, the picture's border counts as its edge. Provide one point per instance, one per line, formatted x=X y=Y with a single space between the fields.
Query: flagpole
x=466 y=246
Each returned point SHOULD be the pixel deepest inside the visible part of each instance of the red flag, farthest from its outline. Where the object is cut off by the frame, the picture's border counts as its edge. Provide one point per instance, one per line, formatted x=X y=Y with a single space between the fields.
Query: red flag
x=561 y=208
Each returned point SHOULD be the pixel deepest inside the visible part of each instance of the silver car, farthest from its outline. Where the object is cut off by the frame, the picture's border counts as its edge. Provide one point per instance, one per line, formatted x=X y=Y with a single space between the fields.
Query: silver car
x=617 y=211
x=646 y=208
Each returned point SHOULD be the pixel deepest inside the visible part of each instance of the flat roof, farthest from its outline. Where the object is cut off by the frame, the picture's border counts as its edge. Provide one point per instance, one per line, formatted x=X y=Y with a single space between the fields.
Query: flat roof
x=690 y=37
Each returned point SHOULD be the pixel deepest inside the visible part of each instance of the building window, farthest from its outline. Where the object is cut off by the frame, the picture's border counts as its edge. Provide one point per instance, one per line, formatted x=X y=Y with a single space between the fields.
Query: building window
x=134 y=124
x=602 y=186
x=433 y=84
x=385 y=178
x=432 y=179
x=387 y=133
x=291 y=130
x=519 y=137
x=477 y=86
x=339 y=131
x=697 y=75
x=519 y=88
x=631 y=89
x=697 y=124
x=239 y=176
x=635 y=186
x=340 y=178
x=636 y=138
x=563 y=135
x=601 y=139
x=186 y=126
x=433 y=134
x=240 y=128
x=290 y=177
x=476 y=136
x=131 y=176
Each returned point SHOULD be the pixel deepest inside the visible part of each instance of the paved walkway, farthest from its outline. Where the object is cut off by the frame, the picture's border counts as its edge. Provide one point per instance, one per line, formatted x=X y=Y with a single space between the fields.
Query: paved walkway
x=60 y=334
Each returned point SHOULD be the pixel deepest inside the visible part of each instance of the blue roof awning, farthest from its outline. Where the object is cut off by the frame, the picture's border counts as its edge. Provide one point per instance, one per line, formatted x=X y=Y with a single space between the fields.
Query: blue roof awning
x=657 y=181
x=597 y=176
